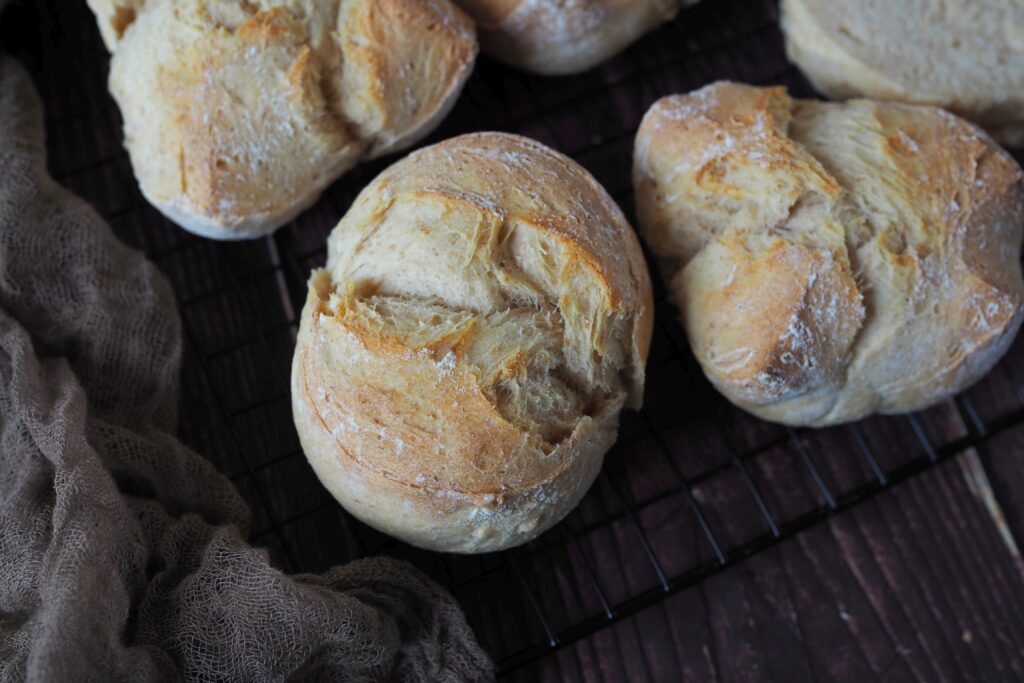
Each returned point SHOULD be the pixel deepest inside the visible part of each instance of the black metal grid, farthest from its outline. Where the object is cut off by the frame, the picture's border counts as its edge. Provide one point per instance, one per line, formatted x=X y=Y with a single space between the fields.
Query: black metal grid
x=694 y=485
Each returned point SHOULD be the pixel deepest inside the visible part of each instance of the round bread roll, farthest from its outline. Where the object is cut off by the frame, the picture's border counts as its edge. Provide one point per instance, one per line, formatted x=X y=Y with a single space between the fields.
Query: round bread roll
x=238 y=113
x=831 y=260
x=484 y=316
x=557 y=37
x=967 y=57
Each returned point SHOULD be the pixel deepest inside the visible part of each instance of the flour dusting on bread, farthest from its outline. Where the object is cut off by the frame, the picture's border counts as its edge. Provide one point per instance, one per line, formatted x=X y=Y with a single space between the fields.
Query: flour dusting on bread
x=964 y=56
x=238 y=113
x=831 y=260
x=485 y=305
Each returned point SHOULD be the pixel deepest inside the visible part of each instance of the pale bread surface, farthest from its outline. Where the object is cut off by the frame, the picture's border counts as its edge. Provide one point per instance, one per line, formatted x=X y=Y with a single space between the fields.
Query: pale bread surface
x=963 y=55
x=831 y=260
x=558 y=37
x=238 y=113
x=483 y=317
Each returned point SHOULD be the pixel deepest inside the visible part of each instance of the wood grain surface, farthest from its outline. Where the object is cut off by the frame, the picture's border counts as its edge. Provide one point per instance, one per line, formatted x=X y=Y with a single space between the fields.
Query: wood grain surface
x=1003 y=457
x=921 y=583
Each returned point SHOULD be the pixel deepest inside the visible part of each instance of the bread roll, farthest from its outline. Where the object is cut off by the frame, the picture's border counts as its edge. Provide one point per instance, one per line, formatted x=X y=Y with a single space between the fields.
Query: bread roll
x=462 y=360
x=965 y=56
x=831 y=260
x=558 y=37
x=238 y=113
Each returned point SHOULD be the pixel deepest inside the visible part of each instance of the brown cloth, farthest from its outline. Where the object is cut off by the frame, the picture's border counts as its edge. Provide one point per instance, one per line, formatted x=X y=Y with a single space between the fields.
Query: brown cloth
x=122 y=553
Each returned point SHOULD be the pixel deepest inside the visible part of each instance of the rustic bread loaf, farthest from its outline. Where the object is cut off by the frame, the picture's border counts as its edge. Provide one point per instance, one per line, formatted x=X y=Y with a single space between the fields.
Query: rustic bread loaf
x=965 y=56
x=462 y=360
x=558 y=37
x=831 y=260
x=238 y=113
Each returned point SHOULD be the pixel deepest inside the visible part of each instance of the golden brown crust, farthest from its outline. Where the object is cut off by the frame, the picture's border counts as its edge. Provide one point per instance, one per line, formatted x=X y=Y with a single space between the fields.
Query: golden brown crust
x=114 y=17
x=410 y=59
x=564 y=37
x=483 y=318
x=237 y=114
x=831 y=260
x=760 y=320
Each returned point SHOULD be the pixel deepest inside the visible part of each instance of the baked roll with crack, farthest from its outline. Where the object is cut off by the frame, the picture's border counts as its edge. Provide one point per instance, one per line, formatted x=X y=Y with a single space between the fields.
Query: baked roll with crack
x=238 y=113
x=484 y=316
x=831 y=260
x=557 y=37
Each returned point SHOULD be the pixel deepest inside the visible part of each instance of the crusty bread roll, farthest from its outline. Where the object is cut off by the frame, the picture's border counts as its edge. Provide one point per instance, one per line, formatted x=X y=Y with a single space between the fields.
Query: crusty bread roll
x=484 y=316
x=831 y=260
x=965 y=56
x=559 y=37
x=238 y=113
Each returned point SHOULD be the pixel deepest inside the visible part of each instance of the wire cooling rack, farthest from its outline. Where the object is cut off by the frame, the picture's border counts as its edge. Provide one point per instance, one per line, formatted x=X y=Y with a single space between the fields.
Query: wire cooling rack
x=693 y=485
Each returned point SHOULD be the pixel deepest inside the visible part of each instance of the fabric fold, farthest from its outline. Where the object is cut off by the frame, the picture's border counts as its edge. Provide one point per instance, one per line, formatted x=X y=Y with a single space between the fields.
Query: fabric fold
x=122 y=552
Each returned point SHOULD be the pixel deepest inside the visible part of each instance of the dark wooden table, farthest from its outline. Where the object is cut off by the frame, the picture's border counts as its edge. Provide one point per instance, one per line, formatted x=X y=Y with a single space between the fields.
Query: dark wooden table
x=921 y=583
x=713 y=546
